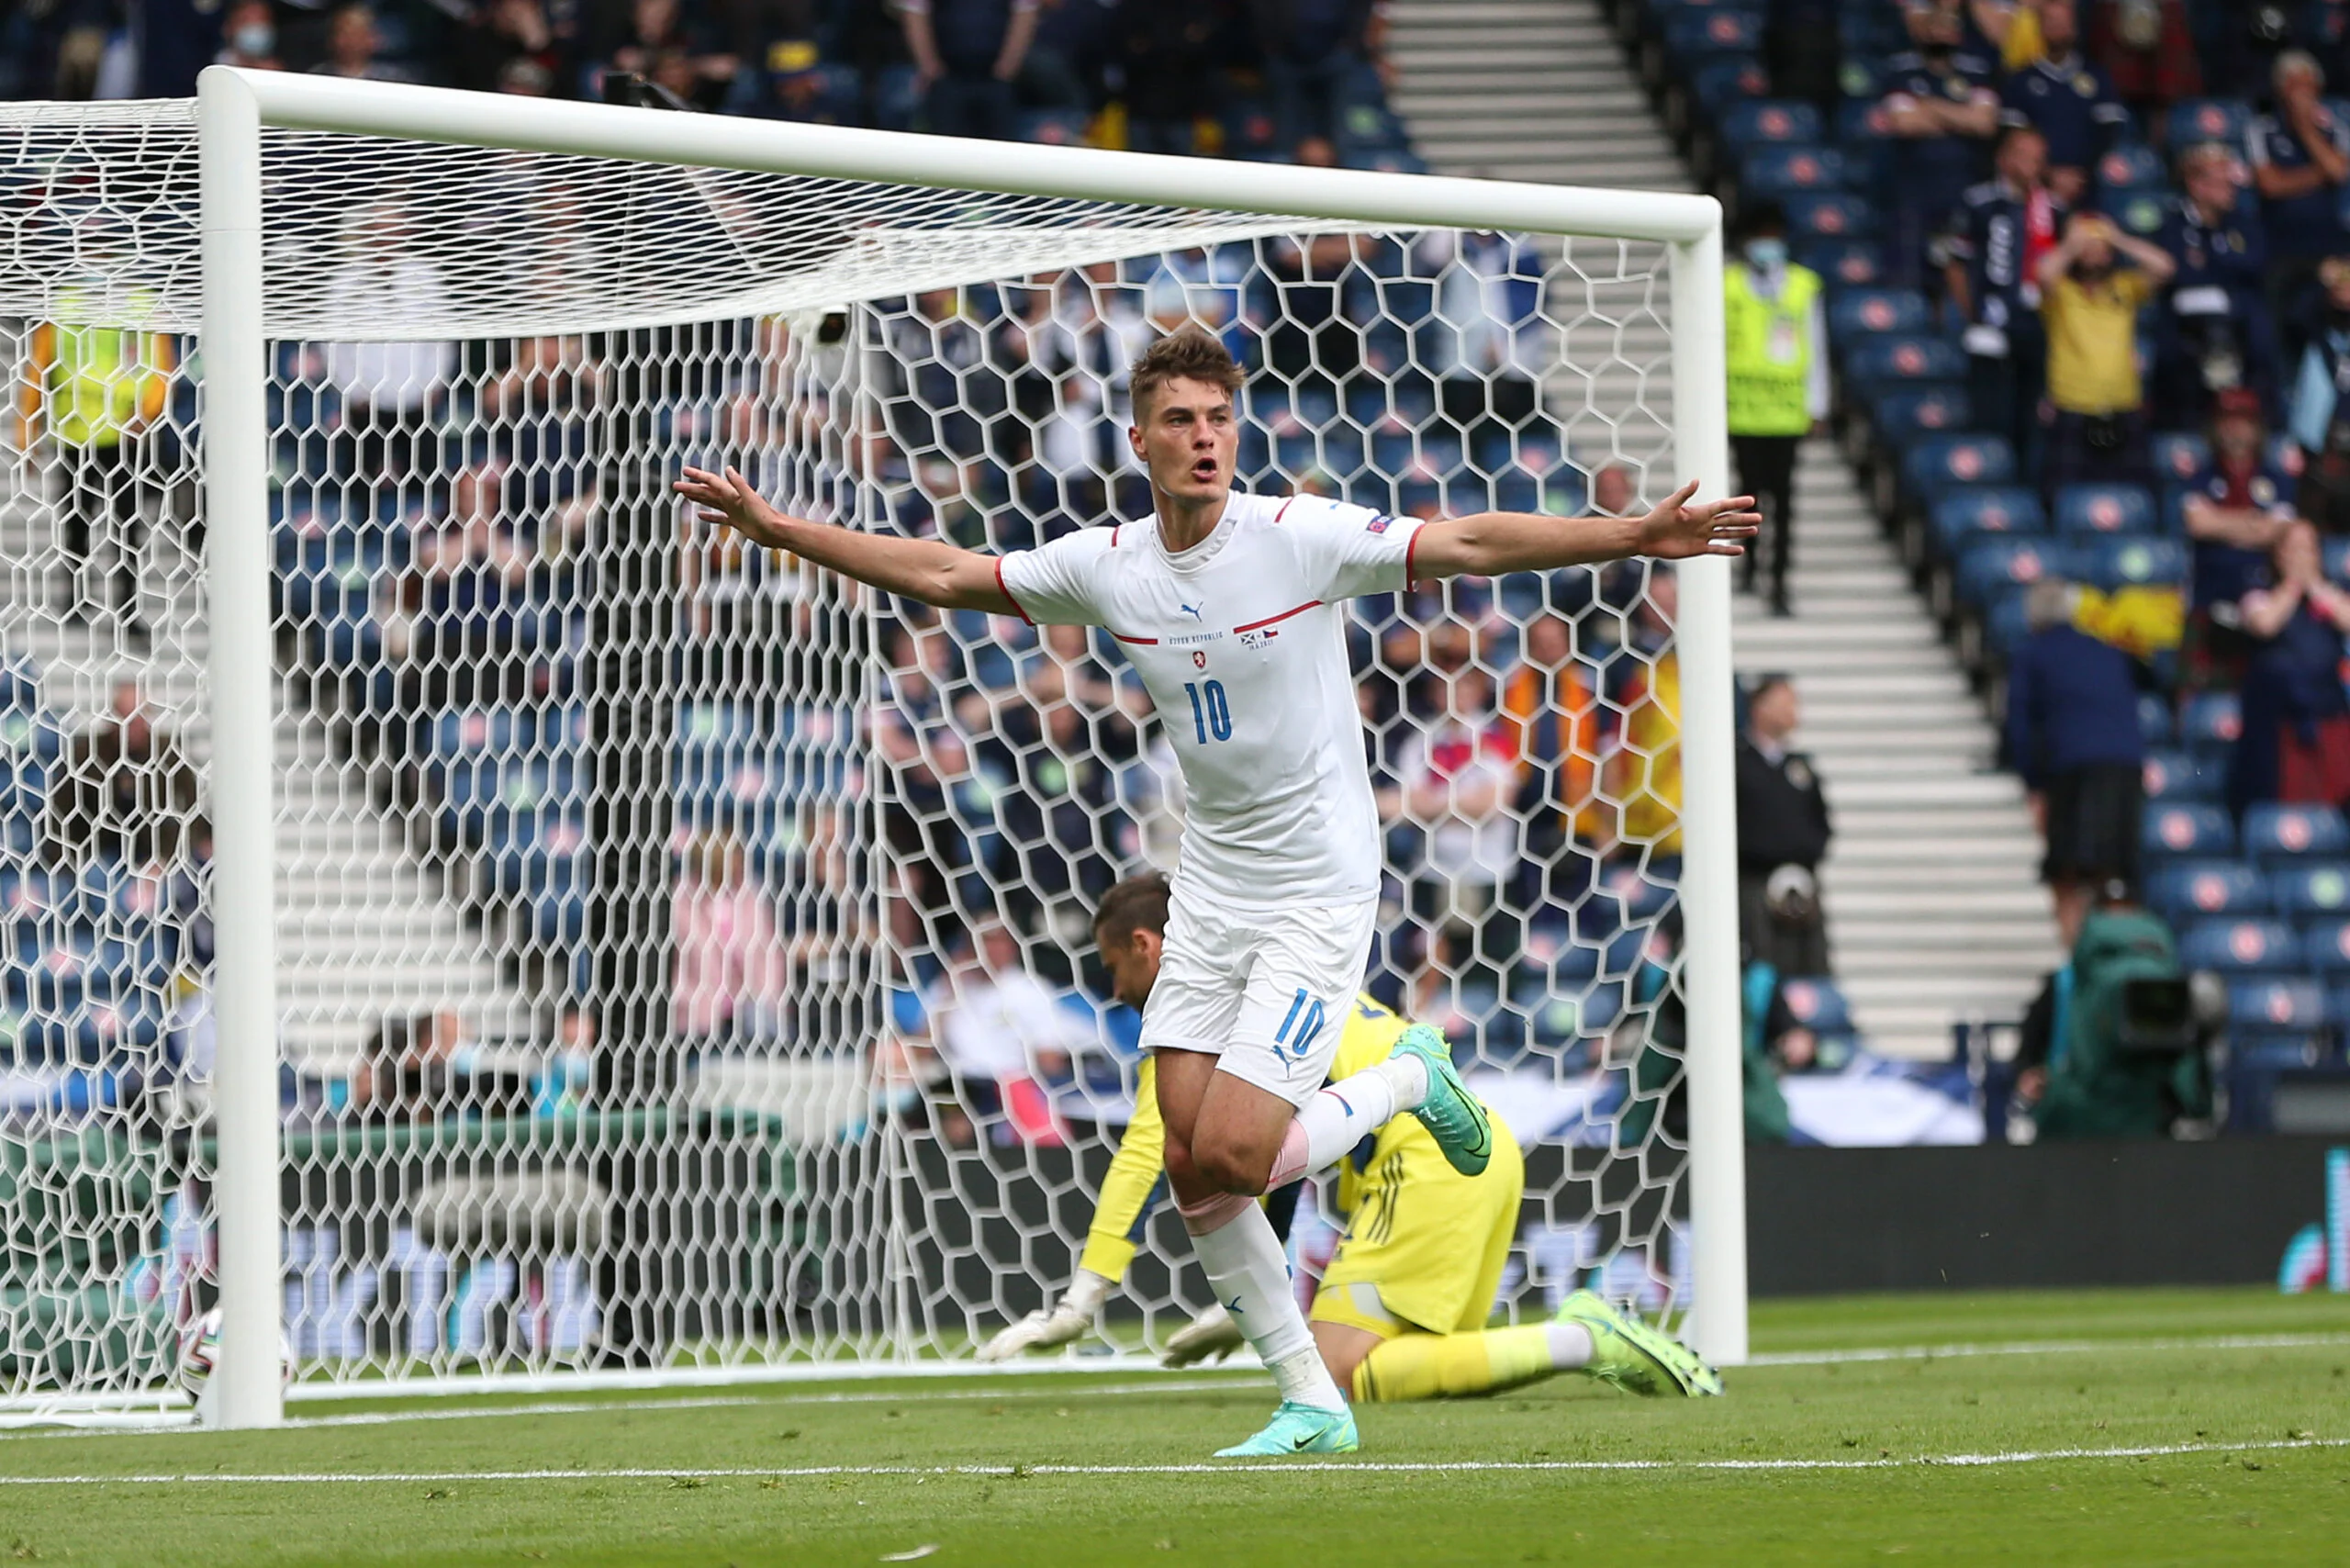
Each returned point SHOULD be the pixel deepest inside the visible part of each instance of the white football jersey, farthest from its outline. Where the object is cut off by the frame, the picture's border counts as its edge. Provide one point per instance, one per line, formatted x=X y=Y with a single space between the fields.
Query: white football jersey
x=1241 y=642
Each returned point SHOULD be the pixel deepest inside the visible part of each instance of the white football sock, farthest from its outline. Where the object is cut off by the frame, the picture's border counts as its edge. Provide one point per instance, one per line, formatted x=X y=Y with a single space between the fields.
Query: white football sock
x=1243 y=1261
x=1344 y=1114
x=1571 y=1345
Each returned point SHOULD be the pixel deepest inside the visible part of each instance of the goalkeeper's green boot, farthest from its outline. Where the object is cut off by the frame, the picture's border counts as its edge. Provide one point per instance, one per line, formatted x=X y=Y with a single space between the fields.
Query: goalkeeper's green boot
x=1300 y=1428
x=1451 y=1114
x=1634 y=1357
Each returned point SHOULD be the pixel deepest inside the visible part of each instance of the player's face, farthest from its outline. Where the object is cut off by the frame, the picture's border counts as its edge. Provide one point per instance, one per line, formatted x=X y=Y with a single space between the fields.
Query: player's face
x=1188 y=438
x=1134 y=966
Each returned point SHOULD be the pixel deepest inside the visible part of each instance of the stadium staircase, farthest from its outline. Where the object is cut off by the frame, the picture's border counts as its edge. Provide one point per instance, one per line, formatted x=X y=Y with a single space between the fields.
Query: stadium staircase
x=364 y=927
x=1934 y=912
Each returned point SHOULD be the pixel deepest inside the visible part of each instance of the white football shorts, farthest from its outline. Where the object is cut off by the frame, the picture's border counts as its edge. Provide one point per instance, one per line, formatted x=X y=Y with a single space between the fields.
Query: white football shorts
x=1267 y=993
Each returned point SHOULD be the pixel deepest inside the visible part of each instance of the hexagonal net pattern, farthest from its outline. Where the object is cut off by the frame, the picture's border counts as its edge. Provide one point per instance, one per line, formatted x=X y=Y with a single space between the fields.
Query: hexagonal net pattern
x=685 y=958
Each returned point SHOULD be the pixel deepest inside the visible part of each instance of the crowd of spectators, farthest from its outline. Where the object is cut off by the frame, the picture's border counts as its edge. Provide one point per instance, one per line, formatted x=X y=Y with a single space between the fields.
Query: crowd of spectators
x=1265 y=79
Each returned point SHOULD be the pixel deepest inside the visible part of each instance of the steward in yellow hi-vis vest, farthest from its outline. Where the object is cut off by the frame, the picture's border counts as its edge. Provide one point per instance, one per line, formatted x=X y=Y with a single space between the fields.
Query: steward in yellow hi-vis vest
x=1402 y=1309
x=1774 y=346
x=94 y=383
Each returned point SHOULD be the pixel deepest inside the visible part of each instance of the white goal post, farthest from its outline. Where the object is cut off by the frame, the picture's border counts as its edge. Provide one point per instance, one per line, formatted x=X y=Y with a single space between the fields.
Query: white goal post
x=238 y=110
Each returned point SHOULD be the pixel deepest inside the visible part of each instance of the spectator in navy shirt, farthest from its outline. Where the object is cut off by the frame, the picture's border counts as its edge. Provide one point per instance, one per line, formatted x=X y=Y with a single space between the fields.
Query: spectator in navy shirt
x=2001 y=229
x=1312 y=50
x=2072 y=733
x=2236 y=510
x=2069 y=100
x=2320 y=408
x=966 y=55
x=1943 y=112
x=2295 y=744
x=2215 y=331
x=2300 y=159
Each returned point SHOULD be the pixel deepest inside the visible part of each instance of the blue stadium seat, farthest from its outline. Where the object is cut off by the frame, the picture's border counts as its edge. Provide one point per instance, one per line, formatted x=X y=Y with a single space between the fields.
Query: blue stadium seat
x=2155 y=725
x=2179 y=455
x=2267 y=1005
x=1763 y=120
x=1844 y=263
x=2188 y=830
x=1969 y=512
x=1775 y=173
x=2208 y=119
x=2277 y=832
x=2132 y=165
x=2212 y=720
x=2137 y=210
x=1866 y=133
x=1883 y=363
x=2103 y=508
x=1829 y=215
x=1249 y=127
x=2110 y=563
x=2241 y=947
x=1384 y=160
x=1902 y=418
x=1817 y=1003
x=2183 y=891
x=1941 y=461
x=2337 y=556
x=2326 y=946
x=1051 y=128
x=1701 y=33
x=2182 y=776
x=2308 y=889
x=1858 y=311
x=1991 y=566
x=1718 y=83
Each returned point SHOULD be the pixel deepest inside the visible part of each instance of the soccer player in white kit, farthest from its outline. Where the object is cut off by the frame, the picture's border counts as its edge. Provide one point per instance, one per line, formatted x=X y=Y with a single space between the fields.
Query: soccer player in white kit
x=1231 y=608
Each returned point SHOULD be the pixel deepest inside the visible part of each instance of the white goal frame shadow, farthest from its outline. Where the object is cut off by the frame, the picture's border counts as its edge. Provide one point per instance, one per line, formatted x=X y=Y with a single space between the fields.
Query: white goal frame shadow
x=233 y=105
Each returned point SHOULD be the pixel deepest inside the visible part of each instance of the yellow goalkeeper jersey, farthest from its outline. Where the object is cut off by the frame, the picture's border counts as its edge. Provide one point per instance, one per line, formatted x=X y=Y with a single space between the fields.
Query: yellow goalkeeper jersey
x=1138 y=1177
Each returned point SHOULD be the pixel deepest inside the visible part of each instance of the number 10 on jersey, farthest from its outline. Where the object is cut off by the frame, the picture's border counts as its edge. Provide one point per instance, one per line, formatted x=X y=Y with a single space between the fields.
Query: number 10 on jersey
x=1211 y=714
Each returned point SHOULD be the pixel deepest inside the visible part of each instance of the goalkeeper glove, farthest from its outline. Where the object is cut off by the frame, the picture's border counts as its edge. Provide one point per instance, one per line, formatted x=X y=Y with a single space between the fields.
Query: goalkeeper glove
x=1055 y=1325
x=1211 y=1336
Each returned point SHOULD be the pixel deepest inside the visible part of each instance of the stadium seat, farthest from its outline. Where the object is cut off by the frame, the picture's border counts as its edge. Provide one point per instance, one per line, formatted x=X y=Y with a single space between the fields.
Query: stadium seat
x=2183 y=891
x=2179 y=456
x=2111 y=564
x=1885 y=362
x=1817 y=1003
x=2137 y=210
x=1990 y=565
x=1941 y=461
x=2208 y=119
x=2103 y=508
x=2131 y=166
x=2265 y=1005
x=1844 y=263
x=1829 y=215
x=2241 y=947
x=1718 y=83
x=2188 y=830
x=1700 y=34
x=1961 y=515
x=2326 y=946
x=2277 y=832
x=1775 y=173
x=2212 y=720
x=2182 y=776
x=2155 y=724
x=2303 y=891
x=1903 y=418
x=1866 y=133
x=1249 y=127
x=1765 y=120
x=1051 y=128
x=1857 y=310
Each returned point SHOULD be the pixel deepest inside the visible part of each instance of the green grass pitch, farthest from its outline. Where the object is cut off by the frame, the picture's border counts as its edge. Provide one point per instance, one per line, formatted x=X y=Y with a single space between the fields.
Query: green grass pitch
x=2135 y=1427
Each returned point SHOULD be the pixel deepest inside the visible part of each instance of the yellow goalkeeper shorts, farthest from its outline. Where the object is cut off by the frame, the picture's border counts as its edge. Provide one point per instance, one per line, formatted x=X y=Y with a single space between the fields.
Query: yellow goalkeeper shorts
x=1425 y=1246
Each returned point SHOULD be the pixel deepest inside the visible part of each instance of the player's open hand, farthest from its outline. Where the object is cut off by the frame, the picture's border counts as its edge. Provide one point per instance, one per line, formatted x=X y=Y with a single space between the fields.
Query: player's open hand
x=729 y=499
x=1676 y=530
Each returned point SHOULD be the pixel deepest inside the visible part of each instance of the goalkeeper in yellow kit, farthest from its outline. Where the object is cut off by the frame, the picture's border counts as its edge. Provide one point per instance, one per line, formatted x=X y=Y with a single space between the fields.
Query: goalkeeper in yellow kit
x=1402 y=1309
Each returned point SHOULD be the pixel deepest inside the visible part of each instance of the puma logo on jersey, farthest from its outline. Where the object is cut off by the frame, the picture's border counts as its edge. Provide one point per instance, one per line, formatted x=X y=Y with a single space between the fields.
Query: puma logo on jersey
x=1192 y=611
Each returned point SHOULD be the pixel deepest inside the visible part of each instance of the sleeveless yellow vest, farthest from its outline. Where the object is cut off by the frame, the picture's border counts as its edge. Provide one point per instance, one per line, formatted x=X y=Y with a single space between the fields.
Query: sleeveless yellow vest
x=1769 y=351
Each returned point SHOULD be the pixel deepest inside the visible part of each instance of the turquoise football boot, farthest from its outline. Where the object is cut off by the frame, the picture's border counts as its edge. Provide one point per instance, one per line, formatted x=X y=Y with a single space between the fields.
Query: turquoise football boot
x=1299 y=1428
x=1451 y=1114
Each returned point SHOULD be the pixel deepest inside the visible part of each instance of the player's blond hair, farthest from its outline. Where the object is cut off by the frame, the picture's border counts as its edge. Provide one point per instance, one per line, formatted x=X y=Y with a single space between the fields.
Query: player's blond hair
x=1189 y=354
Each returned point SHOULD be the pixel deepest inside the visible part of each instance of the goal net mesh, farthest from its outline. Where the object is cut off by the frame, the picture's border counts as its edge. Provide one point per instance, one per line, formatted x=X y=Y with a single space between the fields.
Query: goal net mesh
x=684 y=961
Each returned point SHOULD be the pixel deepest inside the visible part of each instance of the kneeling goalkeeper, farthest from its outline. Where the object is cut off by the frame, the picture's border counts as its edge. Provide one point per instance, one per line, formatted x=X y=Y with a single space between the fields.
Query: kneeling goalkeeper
x=1401 y=1312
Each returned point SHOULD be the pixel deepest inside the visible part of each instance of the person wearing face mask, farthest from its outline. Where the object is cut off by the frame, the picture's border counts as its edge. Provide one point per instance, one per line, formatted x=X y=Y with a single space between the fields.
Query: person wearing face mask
x=250 y=30
x=1778 y=377
x=1943 y=112
x=2320 y=408
x=2090 y=289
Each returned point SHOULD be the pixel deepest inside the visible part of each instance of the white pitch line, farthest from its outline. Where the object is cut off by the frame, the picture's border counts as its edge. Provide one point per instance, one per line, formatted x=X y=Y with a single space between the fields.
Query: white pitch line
x=1008 y=1472
x=2044 y=1347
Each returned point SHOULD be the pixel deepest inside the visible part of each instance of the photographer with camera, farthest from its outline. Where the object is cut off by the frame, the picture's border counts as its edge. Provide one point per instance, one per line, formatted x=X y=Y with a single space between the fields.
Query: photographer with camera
x=2090 y=288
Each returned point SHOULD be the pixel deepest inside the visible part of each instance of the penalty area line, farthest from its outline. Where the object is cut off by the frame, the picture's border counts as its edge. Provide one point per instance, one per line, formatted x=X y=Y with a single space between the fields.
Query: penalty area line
x=1336 y=1467
x=2044 y=1347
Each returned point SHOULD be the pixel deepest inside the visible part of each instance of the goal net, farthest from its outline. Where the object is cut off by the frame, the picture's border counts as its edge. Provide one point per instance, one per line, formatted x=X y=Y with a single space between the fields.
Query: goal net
x=681 y=960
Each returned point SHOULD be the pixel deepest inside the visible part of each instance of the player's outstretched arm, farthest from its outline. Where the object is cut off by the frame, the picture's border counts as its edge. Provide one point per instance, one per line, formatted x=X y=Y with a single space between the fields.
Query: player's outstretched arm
x=925 y=569
x=1487 y=543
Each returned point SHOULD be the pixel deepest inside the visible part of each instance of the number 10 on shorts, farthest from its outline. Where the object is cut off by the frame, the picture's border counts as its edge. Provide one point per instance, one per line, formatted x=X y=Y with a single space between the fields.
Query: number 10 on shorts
x=1298 y=1031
